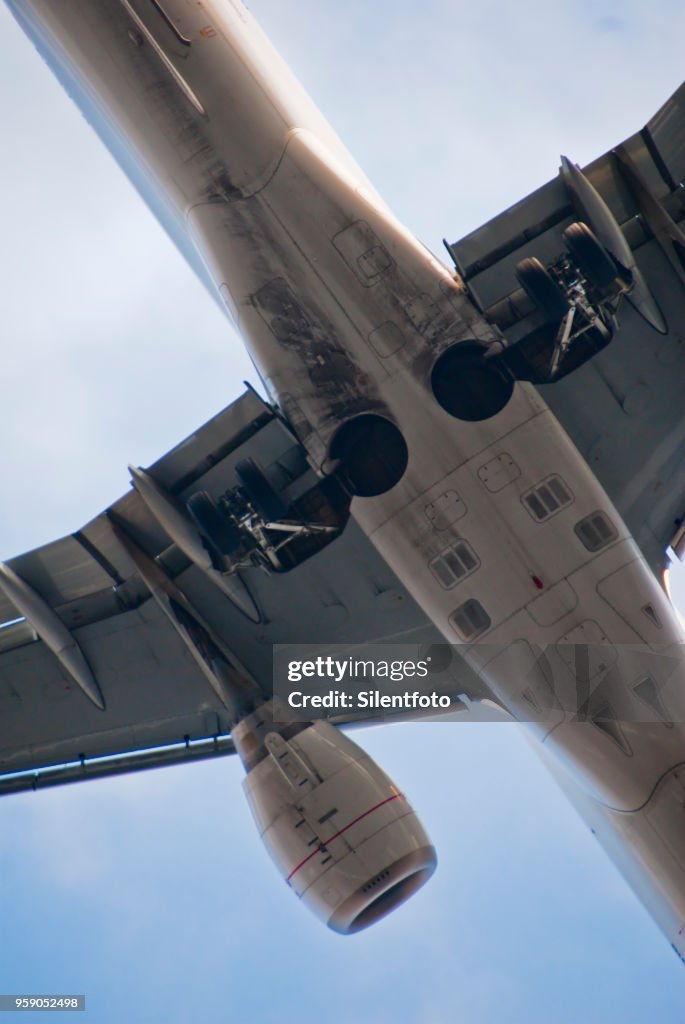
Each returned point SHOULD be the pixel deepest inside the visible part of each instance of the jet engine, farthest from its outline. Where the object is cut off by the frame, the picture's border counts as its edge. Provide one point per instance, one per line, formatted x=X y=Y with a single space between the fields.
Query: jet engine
x=341 y=834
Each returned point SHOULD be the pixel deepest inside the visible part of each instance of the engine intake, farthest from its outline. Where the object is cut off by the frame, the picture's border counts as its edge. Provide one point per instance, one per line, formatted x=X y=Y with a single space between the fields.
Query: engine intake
x=341 y=834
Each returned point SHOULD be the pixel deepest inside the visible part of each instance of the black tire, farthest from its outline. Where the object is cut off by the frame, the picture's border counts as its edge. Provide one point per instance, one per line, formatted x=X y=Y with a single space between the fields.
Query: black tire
x=589 y=255
x=679 y=250
x=218 y=530
x=542 y=289
x=265 y=499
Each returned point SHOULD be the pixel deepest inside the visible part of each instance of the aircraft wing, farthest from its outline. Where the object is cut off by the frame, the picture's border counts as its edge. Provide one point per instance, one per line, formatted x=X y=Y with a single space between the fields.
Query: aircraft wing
x=152 y=670
x=160 y=706
x=624 y=408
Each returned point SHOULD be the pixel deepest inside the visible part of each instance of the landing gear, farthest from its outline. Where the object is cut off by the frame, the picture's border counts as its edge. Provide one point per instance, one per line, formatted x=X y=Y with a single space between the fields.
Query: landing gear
x=252 y=525
x=470 y=386
x=589 y=255
x=212 y=524
x=542 y=289
x=578 y=296
x=264 y=498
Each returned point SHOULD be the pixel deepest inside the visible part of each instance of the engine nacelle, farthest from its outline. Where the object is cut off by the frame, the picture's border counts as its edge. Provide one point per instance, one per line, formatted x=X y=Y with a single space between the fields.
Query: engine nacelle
x=341 y=834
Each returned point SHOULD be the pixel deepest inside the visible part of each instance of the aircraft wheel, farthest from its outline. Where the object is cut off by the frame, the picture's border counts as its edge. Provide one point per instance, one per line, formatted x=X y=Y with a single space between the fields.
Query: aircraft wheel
x=263 y=496
x=589 y=254
x=211 y=523
x=542 y=289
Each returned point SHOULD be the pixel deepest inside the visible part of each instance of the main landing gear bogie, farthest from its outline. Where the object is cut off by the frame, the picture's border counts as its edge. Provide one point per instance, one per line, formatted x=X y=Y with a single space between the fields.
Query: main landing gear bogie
x=585 y=265
x=542 y=289
x=589 y=255
x=263 y=496
x=578 y=296
x=253 y=525
x=219 y=531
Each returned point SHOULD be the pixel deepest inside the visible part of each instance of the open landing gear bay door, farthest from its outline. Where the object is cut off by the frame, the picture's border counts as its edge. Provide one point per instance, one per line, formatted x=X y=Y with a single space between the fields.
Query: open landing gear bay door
x=607 y=245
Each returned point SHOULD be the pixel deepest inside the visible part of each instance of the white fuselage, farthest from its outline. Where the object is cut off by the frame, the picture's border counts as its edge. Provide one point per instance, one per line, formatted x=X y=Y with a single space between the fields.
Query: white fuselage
x=345 y=313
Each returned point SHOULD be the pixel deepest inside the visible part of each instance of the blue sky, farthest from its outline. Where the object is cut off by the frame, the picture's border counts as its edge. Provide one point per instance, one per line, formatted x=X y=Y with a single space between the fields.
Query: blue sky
x=151 y=894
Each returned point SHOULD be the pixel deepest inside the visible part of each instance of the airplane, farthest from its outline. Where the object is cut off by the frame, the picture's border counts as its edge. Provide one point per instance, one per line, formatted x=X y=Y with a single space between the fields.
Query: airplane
x=560 y=317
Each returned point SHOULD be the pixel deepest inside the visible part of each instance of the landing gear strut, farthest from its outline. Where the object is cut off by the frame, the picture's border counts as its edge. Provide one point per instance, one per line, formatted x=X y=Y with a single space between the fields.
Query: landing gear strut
x=578 y=295
x=253 y=525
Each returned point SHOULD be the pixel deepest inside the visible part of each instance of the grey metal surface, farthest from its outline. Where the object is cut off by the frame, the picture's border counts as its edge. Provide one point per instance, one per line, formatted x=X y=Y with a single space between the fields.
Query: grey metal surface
x=624 y=409
x=105 y=767
x=154 y=691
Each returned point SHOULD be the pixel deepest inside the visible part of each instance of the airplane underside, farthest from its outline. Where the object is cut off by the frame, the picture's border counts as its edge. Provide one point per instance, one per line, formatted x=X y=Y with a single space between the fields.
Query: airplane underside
x=414 y=404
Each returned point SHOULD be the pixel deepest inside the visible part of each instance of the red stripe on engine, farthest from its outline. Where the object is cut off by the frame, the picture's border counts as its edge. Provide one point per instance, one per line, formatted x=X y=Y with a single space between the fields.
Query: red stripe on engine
x=340 y=832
